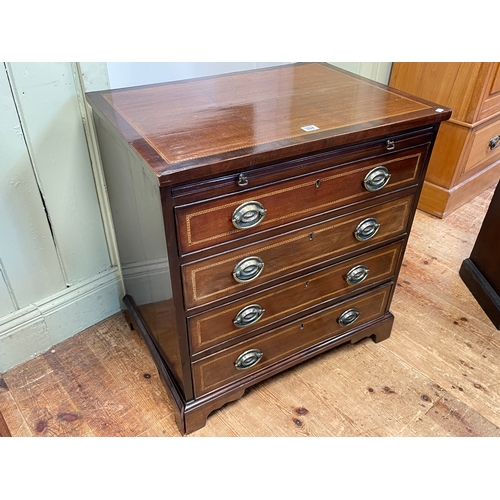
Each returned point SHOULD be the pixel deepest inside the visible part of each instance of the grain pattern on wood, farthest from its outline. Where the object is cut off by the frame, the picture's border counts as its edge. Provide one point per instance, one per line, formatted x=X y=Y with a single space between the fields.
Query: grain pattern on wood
x=91 y=381
x=451 y=417
x=12 y=415
x=4 y=430
x=437 y=375
x=46 y=406
x=114 y=344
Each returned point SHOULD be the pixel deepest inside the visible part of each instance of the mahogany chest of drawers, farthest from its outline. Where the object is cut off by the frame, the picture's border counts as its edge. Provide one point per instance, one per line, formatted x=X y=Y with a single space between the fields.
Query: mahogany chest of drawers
x=261 y=218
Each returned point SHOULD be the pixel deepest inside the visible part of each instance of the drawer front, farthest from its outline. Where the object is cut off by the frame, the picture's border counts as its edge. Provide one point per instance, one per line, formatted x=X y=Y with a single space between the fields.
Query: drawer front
x=491 y=104
x=213 y=279
x=258 y=353
x=219 y=220
x=485 y=145
x=297 y=295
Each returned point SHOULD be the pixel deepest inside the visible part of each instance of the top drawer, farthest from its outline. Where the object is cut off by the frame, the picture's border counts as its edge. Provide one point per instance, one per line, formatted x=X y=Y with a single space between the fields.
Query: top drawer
x=491 y=103
x=218 y=220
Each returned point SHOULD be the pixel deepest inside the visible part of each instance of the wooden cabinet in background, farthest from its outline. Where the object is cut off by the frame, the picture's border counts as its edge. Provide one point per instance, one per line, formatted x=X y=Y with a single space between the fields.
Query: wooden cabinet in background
x=466 y=157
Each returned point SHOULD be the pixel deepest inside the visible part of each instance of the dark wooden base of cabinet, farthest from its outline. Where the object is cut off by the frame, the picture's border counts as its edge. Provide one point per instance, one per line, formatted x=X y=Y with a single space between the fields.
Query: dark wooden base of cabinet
x=483 y=292
x=192 y=415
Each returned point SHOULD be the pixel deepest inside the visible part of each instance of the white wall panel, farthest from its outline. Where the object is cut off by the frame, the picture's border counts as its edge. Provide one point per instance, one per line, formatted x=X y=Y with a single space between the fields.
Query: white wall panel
x=129 y=74
x=27 y=250
x=37 y=308
x=94 y=75
x=52 y=122
x=378 y=71
x=7 y=304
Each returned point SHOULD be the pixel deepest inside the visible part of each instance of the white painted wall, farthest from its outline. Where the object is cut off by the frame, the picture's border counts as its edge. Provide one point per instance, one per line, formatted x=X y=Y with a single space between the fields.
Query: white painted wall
x=29 y=261
x=56 y=276
x=126 y=74
x=378 y=71
x=59 y=269
x=50 y=116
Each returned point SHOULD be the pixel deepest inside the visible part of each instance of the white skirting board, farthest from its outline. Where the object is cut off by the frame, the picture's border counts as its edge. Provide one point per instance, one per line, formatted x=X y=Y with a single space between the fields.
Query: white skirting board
x=148 y=281
x=36 y=328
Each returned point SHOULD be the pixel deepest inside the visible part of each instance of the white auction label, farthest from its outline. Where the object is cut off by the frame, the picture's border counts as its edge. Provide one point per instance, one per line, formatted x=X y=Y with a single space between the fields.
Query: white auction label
x=310 y=128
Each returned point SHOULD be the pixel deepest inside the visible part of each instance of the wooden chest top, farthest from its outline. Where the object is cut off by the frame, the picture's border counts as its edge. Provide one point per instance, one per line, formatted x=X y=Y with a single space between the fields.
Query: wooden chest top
x=193 y=129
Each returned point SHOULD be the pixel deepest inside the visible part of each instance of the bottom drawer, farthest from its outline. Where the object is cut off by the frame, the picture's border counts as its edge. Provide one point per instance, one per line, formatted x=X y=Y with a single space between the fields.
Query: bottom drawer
x=258 y=353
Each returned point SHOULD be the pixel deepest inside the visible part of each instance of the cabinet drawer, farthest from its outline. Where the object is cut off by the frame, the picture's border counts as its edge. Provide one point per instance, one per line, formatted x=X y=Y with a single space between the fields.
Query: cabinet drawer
x=491 y=103
x=212 y=279
x=220 y=369
x=485 y=145
x=259 y=310
x=215 y=221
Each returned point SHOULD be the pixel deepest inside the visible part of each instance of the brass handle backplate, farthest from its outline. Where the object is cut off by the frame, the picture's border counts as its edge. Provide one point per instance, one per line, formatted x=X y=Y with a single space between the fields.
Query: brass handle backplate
x=248 y=359
x=494 y=142
x=357 y=274
x=248 y=269
x=248 y=315
x=376 y=178
x=348 y=317
x=366 y=229
x=248 y=214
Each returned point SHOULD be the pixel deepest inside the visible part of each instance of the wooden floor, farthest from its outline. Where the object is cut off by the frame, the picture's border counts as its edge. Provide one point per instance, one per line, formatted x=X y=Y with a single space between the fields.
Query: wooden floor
x=437 y=375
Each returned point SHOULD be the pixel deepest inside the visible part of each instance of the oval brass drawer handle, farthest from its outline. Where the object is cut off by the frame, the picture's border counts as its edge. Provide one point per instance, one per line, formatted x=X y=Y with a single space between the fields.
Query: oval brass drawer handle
x=248 y=359
x=494 y=142
x=248 y=269
x=376 y=178
x=248 y=315
x=248 y=214
x=348 y=317
x=366 y=229
x=357 y=274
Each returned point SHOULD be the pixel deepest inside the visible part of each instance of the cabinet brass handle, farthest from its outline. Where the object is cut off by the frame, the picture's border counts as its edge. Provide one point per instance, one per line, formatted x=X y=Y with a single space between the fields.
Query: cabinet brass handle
x=366 y=229
x=248 y=359
x=248 y=214
x=494 y=142
x=248 y=269
x=348 y=317
x=377 y=178
x=248 y=315
x=357 y=274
